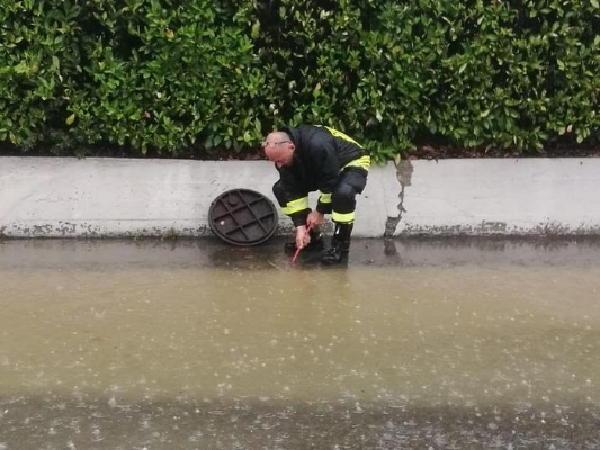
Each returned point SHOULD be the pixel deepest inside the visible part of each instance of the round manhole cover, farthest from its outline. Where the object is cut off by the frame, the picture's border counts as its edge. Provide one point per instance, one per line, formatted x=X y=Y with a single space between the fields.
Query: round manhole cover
x=243 y=217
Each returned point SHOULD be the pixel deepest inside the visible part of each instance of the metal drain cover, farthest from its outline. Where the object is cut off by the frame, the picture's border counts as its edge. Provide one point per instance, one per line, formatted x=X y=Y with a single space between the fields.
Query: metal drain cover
x=243 y=217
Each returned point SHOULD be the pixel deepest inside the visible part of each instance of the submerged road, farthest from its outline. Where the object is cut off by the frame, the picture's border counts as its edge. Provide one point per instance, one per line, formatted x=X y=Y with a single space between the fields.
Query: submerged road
x=442 y=344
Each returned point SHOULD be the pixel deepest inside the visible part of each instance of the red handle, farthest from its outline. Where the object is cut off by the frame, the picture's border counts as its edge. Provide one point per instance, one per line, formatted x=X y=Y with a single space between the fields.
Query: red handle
x=296 y=255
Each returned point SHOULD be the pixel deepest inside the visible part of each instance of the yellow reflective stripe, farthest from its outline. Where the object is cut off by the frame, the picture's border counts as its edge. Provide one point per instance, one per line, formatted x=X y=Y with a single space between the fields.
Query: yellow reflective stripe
x=364 y=162
x=295 y=206
x=342 y=136
x=343 y=218
x=325 y=198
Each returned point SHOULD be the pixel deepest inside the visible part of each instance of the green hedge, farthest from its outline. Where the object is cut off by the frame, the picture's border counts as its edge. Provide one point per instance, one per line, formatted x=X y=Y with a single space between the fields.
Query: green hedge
x=152 y=77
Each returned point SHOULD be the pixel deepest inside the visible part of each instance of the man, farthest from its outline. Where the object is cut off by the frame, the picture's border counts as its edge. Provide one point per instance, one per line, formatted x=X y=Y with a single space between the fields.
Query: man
x=311 y=158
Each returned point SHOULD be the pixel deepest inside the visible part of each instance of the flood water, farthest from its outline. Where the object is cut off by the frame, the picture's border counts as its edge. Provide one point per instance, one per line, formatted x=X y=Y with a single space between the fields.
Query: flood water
x=200 y=345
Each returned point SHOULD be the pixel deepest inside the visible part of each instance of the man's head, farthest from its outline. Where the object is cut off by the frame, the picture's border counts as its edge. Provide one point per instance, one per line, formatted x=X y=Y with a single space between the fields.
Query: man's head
x=279 y=148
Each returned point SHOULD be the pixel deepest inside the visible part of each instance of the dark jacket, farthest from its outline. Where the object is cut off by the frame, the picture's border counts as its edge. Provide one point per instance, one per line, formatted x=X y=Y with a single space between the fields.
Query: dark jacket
x=319 y=156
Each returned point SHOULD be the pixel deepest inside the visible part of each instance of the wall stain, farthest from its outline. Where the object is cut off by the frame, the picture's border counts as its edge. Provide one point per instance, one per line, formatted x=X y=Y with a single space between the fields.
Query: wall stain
x=404 y=172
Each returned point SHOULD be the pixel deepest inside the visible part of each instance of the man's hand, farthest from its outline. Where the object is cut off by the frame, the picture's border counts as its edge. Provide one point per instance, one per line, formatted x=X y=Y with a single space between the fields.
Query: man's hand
x=302 y=236
x=314 y=219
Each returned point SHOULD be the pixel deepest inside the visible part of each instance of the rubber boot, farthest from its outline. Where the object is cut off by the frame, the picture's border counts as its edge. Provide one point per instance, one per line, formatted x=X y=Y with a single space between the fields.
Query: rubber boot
x=315 y=244
x=340 y=245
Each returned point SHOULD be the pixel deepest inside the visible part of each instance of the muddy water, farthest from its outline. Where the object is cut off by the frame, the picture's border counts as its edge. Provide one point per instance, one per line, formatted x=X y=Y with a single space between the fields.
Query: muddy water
x=253 y=352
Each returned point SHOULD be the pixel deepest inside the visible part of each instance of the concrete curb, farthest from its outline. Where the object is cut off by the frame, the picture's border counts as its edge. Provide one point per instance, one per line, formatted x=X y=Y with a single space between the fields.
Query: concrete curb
x=500 y=196
x=98 y=197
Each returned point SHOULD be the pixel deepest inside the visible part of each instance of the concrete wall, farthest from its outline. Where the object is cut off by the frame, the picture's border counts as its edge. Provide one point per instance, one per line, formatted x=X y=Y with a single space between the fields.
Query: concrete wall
x=64 y=197
x=502 y=196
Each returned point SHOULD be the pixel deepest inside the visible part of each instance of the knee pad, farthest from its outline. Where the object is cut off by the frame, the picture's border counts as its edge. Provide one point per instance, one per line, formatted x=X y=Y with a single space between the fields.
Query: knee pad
x=343 y=192
x=357 y=179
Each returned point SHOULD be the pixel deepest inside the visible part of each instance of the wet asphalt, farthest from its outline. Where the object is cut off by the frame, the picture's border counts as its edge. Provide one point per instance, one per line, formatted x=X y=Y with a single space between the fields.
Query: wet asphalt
x=335 y=400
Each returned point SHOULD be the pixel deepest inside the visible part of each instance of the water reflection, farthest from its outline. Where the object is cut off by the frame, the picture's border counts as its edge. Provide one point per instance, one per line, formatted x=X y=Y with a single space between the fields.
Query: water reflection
x=194 y=347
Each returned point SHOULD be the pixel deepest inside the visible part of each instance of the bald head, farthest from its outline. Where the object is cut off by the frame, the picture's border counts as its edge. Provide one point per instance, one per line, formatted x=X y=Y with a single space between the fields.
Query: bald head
x=278 y=136
x=279 y=148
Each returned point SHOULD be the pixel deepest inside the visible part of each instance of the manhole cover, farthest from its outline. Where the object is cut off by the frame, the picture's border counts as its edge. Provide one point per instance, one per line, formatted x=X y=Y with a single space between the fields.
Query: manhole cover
x=243 y=217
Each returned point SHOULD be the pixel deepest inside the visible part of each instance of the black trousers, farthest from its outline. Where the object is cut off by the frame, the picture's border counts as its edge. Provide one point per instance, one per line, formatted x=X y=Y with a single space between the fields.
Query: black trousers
x=342 y=208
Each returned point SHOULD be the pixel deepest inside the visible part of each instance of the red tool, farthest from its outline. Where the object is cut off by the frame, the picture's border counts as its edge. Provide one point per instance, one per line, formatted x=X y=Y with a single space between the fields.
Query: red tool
x=298 y=249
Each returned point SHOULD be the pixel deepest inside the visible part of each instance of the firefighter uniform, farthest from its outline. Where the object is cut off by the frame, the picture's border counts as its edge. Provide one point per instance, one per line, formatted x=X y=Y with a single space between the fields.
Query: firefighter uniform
x=333 y=163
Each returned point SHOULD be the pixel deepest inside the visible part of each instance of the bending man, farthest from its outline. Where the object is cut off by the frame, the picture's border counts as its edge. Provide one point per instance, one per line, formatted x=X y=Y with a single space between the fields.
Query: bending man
x=316 y=158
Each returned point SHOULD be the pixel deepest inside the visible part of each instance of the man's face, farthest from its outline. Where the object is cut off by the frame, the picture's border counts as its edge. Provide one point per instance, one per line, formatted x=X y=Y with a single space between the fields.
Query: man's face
x=279 y=150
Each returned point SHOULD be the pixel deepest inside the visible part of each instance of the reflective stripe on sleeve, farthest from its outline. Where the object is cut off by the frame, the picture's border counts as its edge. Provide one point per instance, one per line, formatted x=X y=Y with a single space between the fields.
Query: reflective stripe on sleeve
x=295 y=206
x=325 y=198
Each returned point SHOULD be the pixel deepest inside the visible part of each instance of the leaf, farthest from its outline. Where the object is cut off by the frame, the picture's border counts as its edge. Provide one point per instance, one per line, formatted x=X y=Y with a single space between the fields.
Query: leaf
x=462 y=68
x=69 y=120
x=317 y=90
x=595 y=4
x=255 y=30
